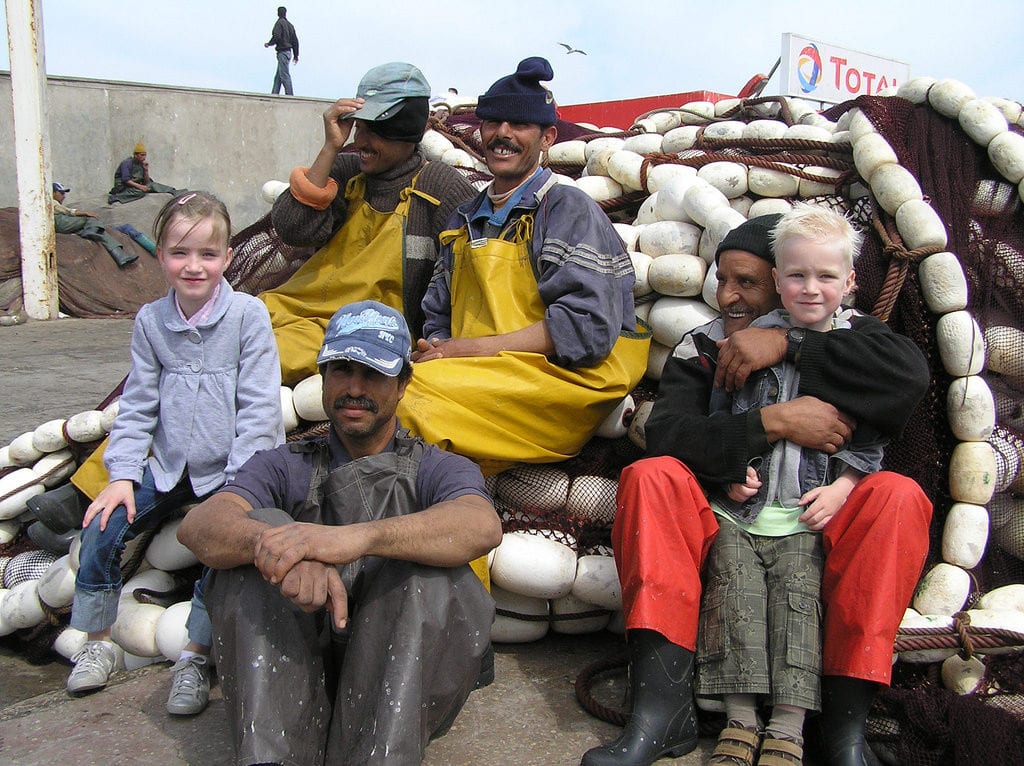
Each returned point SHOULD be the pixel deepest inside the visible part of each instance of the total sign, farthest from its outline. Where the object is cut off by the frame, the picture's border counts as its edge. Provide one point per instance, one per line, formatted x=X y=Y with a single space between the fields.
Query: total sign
x=821 y=71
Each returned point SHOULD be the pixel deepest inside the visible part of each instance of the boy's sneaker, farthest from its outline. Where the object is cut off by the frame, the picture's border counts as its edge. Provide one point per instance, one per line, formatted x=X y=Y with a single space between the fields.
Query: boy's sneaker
x=94 y=663
x=190 y=686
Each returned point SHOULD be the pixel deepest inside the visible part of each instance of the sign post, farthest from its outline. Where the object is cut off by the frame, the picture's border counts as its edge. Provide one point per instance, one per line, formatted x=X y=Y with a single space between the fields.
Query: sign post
x=820 y=71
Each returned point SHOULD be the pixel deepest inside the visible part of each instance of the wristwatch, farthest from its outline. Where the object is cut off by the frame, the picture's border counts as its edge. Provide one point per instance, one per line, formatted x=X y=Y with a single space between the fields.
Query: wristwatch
x=794 y=338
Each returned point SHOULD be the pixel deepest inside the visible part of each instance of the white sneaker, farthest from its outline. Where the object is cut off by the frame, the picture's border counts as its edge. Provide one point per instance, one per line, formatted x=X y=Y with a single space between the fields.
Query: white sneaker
x=94 y=663
x=190 y=686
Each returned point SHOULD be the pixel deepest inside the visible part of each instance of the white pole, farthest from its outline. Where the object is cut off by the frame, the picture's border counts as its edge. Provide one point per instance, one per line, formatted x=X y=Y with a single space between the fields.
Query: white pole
x=32 y=154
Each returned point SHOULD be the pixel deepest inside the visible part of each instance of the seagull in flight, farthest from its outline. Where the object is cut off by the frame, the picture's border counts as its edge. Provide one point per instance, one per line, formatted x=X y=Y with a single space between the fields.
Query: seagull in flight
x=569 y=49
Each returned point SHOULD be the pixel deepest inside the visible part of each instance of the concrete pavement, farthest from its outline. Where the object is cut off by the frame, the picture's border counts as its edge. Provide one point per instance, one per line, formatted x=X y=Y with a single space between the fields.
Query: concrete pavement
x=528 y=717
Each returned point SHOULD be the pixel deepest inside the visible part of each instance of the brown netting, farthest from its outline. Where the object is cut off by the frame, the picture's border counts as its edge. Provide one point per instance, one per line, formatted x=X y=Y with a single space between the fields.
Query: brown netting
x=262 y=261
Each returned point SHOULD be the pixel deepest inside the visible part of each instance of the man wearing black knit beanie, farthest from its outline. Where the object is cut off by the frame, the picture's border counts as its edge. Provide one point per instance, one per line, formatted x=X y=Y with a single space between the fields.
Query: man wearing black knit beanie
x=530 y=338
x=373 y=208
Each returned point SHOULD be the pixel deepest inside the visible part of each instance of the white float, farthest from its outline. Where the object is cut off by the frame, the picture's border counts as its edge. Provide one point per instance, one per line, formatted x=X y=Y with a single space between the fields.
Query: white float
x=964 y=535
x=22 y=451
x=509 y=630
x=533 y=565
x=972 y=472
x=615 y=425
x=678 y=274
x=55 y=468
x=943 y=283
x=166 y=553
x=308 y=399
x=134 y=630
x=971 y=408
x=961 y=343
x=534 y=488
x=593 y=498
x=664 y=237
x=49 y=436
x=20 y=484
x=569 y=604
x=288 y=414
x=943 y=590
x=171 y=630
x=597 y=582
x=21 y=607
x=56 y=588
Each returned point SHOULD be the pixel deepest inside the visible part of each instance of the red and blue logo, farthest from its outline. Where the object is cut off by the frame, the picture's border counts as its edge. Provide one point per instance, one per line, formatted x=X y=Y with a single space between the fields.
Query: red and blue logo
x=808 y=68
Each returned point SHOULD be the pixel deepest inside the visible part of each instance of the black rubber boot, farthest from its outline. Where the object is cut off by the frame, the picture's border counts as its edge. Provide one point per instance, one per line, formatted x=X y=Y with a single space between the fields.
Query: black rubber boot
x=49 y=540
x=60 y=509
x=121 y=256
x=845 y=703
x=663 y=721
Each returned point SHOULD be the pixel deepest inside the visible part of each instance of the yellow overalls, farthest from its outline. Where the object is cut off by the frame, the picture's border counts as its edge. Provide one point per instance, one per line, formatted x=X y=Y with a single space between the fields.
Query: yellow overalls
x=516 y=407
x=365 y=260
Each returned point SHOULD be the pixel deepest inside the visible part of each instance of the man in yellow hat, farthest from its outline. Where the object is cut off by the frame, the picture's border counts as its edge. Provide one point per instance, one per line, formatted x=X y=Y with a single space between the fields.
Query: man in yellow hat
x=132 y=181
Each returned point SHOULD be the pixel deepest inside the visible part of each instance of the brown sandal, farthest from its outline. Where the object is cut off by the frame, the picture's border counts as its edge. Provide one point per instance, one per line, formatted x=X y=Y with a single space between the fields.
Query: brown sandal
x=736 y=747
x=780 y=752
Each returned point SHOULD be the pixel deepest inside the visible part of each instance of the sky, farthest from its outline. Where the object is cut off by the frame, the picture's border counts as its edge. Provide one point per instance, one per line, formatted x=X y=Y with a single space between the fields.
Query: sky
x=633 y=48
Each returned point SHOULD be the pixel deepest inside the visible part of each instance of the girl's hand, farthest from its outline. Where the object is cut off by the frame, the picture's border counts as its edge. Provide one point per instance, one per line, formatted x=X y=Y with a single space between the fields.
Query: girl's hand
x=120 y=492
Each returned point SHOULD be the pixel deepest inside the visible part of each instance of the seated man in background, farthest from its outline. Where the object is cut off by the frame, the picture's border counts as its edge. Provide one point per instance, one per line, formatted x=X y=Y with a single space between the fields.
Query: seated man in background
x=132 y=181
x=69 y=220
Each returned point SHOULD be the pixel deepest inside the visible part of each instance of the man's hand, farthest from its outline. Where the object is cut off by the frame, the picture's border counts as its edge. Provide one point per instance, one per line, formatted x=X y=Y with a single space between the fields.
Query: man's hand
x=439 y=348
x=337 y=123
x=279 y=549
x=746 y=351
x=312 y=585
x=809 y=422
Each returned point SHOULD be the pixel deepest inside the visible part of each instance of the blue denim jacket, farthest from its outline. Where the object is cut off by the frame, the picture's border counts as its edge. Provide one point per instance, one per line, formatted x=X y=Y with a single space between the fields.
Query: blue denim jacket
x=788 y=470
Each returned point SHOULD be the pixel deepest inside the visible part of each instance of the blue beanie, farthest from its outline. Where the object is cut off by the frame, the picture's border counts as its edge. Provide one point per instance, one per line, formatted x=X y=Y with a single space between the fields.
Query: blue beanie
x=520 y=97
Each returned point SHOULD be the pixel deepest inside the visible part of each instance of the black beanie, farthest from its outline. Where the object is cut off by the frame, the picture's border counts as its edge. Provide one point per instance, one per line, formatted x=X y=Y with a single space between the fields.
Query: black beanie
x=520 y=97
x=753 y=237
x=408 y=124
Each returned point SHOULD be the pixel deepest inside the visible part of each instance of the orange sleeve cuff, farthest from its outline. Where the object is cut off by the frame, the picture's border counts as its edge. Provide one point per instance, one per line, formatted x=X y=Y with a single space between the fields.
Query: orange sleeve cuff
x=308 y=193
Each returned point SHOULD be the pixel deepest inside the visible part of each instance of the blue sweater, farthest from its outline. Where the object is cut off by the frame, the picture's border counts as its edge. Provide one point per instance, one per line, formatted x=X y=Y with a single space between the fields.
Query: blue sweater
x=205 y=397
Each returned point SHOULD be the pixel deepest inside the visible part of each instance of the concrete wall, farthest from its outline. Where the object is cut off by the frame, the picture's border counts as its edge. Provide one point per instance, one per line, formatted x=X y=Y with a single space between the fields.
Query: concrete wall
x=224 y=142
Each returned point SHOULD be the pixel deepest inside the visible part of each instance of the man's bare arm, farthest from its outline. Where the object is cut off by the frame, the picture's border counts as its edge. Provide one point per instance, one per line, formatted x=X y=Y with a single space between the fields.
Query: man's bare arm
x=220 y=532
x=445 y=535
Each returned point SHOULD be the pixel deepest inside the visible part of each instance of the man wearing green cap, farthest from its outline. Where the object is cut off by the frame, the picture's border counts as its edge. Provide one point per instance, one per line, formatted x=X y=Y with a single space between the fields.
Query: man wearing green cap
x=373 y=211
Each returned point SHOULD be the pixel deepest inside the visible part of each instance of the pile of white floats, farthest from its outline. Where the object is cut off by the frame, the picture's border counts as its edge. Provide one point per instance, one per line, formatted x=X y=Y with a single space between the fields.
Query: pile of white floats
x=539 y=578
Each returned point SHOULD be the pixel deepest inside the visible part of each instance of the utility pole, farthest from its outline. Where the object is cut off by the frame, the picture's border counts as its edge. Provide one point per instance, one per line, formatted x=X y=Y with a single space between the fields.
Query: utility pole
x=32 y=154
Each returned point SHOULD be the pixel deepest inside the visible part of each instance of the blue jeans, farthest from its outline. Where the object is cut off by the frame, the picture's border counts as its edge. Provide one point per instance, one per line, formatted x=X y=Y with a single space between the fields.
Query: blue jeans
x=282 y=77
x=98 y=582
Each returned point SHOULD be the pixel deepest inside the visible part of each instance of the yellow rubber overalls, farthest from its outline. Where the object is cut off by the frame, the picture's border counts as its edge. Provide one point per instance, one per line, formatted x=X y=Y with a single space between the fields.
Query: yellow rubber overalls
x=516 y=406
x=365 y=260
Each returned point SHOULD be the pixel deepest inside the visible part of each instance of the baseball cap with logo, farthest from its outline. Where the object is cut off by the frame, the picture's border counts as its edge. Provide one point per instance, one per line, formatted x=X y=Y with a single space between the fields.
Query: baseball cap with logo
x=61 y=188
x=370 y=333
x=386 y=87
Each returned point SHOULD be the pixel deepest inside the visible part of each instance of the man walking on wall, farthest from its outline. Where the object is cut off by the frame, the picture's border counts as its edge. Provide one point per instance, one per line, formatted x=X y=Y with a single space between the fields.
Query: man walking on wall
x=286 y=43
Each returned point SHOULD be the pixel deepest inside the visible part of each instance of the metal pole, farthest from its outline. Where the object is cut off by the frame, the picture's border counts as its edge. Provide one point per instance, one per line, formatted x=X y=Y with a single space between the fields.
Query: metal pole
x=32 y=155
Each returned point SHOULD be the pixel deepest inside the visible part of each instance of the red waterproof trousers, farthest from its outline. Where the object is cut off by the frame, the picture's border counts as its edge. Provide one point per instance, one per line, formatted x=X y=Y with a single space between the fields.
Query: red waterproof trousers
x=875 y=547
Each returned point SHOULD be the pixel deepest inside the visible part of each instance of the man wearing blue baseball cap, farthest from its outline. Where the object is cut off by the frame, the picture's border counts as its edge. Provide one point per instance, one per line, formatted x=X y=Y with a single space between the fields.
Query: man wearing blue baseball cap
x=373 y=211
x=368 y=531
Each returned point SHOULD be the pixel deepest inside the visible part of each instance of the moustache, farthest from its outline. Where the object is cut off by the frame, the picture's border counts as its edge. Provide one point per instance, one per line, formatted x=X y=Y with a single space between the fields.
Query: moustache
x=352 y=401
x=498 y=143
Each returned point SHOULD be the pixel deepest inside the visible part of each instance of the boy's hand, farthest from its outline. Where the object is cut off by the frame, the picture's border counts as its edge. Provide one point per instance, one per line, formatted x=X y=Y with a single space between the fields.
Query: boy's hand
x=743 y=492
x=120 y=492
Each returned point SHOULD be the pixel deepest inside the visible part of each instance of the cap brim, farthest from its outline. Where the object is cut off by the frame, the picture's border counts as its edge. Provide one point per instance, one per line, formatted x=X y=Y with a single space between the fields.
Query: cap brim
x=383 y=362
x=373 y=111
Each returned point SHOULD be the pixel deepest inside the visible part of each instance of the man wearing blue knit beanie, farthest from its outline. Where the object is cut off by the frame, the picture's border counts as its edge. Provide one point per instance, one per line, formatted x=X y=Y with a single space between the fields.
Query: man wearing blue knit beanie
x=530 y=337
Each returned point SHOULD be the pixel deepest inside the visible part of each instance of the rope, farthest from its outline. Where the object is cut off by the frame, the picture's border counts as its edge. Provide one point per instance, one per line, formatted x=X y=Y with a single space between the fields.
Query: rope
x=960 y=635
x=585 y=680
x=899 y=263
